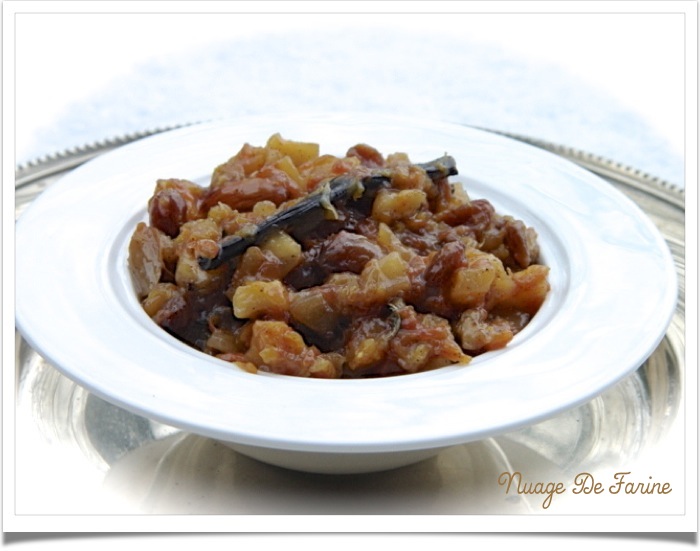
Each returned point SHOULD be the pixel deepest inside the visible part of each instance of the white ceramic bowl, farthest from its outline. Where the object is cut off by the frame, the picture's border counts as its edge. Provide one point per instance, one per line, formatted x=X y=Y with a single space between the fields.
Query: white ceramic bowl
x=613 y=291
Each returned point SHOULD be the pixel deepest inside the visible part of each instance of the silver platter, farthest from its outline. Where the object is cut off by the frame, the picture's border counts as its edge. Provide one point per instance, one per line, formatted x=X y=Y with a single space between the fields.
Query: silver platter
x=77 y=454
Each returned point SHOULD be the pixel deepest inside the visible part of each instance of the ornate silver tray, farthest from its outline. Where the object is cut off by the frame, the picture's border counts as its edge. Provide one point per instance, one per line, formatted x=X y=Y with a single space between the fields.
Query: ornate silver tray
x=77 y=454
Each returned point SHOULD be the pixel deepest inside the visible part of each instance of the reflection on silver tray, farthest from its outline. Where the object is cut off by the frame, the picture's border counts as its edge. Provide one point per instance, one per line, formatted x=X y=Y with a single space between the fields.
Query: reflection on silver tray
x=137 y=465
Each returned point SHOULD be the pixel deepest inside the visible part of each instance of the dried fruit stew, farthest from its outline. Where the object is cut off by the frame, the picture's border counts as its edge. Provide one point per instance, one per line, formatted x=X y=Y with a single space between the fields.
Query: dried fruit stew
x=410 y=276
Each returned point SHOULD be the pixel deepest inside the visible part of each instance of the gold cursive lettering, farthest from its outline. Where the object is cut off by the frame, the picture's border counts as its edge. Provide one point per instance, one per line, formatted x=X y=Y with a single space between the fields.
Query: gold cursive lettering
x=621 y=485
x=522 y=487
x=586 y=484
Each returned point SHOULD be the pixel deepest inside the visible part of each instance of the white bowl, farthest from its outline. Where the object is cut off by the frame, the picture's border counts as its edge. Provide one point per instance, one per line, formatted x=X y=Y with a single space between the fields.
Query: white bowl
x=613 y=292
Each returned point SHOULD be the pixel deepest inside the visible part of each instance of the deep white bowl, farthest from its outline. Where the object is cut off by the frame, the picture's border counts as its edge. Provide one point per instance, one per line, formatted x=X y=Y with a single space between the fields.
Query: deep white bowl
x=613 y=291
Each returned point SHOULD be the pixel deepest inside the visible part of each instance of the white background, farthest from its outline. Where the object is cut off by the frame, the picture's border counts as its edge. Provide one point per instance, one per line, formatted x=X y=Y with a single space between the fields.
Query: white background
x=625 y=60
x=635 y=58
